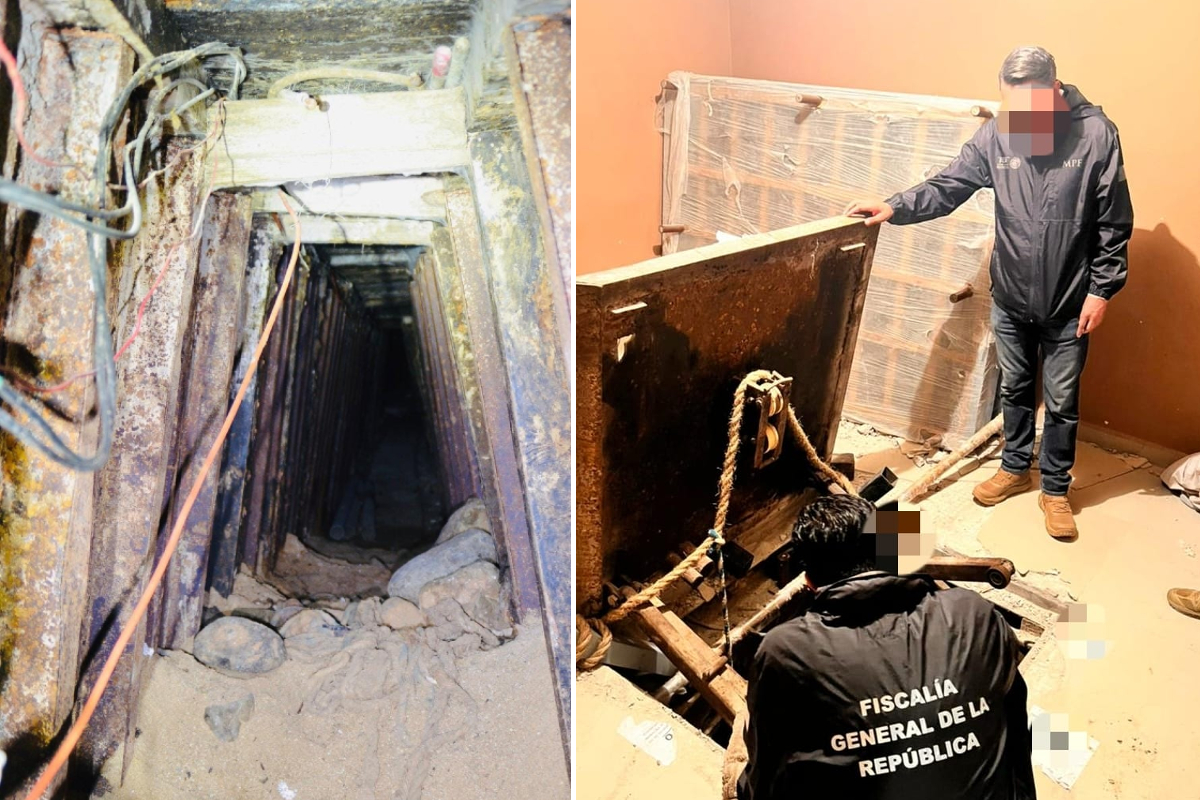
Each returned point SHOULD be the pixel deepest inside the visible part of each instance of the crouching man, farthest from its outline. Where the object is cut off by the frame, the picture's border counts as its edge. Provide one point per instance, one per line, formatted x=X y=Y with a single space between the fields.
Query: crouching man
x=887 y=688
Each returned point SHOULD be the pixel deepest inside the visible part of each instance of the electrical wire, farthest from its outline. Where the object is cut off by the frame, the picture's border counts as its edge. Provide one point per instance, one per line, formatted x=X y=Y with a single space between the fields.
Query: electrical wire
x=89 y=707
x=36 y=432
x=32 y=388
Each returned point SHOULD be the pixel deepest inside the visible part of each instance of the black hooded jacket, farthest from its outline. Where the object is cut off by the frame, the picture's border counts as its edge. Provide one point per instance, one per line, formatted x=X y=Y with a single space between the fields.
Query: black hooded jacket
x=888 y=689
x=1063 y=221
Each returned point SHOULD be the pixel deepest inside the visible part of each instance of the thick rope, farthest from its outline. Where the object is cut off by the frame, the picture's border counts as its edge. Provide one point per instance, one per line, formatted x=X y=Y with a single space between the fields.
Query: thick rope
x=716 y=534
x=591 y=647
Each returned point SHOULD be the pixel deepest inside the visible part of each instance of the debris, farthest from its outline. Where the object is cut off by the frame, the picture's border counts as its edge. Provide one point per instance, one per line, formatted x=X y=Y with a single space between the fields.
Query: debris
x=470 y=514
x=449 y=623
x=226 y=720
x=288 y=609
x=3 y=761
x=476 y=588
x=1188 y=550
x=398 y=614
x=237 y=646
x=443 y=559
x=307 y=621
x=365 y=613
x=285 y=792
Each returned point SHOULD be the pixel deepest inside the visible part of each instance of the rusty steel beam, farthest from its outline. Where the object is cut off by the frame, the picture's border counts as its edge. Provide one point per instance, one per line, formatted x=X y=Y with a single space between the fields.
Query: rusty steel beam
x=130 y=487
x=523 y=293
x=539 y=62
x=489 y=398
x=277 y=481
x=45 y=509
x=212 y=345
x=263 y=260
x=256 y=477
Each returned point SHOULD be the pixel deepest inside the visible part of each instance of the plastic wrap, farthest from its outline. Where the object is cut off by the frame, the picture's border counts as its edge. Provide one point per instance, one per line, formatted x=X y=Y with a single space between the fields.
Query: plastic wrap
x=743 y=157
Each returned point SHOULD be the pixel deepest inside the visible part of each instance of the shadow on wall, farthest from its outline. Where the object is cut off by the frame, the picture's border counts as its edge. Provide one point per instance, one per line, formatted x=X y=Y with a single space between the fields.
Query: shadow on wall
x=1146 y=355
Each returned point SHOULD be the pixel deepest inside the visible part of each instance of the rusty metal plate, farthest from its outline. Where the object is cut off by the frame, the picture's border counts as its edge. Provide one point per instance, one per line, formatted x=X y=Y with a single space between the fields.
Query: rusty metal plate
x=540 y=61
x=45 y=509
x=210 y=348
x=662 y=345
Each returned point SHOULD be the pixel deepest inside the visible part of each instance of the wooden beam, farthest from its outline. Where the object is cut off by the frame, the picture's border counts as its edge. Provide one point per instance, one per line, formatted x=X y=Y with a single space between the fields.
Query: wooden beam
x=399 y=197
x=273 y=142
x=355 y=230
x=712 y=676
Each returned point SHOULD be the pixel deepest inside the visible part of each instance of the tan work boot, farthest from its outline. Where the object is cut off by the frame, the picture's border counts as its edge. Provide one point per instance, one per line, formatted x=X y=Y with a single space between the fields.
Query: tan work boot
x=1060 y=519
x=1185 y=601
x=1001 y=486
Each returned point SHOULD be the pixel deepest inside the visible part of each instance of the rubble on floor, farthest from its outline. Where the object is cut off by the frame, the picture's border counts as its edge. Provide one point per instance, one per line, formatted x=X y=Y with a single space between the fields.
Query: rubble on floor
x=310 y=671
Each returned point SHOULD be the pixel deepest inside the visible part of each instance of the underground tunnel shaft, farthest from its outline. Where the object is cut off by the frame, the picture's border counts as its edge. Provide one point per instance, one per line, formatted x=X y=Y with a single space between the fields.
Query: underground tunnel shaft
x=485 y=349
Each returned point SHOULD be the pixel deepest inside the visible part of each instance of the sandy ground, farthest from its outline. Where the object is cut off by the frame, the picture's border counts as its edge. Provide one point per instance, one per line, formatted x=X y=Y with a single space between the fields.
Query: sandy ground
x=1140 y=700
x=504 y=740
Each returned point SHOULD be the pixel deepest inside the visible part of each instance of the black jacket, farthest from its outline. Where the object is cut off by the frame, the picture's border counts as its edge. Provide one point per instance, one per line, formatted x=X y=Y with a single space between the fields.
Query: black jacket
x=857 y=698
x=1063 y=221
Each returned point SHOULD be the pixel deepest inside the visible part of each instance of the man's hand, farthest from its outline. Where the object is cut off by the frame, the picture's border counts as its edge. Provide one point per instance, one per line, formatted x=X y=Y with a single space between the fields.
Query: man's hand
x=874 y=212
x=1092 y=314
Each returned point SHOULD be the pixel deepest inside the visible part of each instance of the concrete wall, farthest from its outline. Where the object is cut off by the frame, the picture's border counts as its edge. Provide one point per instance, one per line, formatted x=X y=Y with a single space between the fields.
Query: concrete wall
x=1142 y=378
x=624 y=50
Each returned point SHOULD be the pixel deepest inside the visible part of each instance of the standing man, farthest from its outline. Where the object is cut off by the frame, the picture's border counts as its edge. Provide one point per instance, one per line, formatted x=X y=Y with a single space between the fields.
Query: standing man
x=1063 y=222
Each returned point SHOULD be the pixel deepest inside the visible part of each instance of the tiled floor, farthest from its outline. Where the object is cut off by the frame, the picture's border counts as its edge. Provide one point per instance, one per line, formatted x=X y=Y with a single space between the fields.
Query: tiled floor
x=1141 y=700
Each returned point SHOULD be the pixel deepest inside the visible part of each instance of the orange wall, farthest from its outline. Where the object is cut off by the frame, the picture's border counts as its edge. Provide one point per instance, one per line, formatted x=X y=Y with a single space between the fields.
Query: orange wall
x=624 y=50
x=1139 y=62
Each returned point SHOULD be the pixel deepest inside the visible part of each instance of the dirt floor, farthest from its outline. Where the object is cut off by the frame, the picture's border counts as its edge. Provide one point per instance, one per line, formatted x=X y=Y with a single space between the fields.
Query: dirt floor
x=1138 y=697
x=361 y=712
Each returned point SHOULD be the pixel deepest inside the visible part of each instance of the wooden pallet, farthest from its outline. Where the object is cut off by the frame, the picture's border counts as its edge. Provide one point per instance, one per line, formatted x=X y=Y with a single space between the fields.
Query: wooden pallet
x=743 y=157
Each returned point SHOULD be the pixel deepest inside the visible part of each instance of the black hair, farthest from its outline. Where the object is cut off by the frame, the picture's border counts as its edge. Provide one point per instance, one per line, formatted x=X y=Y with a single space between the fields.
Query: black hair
x=828 y=540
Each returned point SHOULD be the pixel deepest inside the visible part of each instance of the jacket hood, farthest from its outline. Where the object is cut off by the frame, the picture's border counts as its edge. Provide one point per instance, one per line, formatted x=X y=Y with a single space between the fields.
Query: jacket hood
x=870 y=595
x=1080 y=106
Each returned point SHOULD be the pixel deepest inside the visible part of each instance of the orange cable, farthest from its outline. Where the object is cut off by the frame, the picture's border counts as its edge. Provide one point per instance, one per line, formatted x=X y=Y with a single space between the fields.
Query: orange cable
x=85 y=715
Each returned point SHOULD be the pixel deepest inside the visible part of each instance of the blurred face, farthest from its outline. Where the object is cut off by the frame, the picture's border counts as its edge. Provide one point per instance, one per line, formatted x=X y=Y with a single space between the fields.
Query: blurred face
x=1033 y=117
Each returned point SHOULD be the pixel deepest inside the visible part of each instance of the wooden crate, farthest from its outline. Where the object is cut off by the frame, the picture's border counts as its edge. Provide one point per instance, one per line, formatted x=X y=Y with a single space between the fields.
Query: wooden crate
x=744 y=157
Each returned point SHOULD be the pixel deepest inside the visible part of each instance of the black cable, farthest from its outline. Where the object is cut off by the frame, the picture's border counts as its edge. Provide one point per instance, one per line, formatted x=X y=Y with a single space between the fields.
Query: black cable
x=102 y=351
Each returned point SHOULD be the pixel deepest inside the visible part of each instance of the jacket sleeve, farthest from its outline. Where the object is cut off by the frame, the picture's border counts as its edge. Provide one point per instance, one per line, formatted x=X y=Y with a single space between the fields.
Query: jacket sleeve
x=764 y=756
x=1114 y=226
x=938 y=196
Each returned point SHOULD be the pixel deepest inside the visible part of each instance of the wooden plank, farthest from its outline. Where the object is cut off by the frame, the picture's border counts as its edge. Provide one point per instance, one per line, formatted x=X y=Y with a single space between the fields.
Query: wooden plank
x=417 y=197
x=653 y=409
x=211 y=348
x=356 y=230
x=716 y=681
x=272 y=142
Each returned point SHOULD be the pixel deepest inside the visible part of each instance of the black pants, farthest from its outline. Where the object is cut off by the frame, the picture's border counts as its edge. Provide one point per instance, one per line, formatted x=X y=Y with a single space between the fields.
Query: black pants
x=1018 y=345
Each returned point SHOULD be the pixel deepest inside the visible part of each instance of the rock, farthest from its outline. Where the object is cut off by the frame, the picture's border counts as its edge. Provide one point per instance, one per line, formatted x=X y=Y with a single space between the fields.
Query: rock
x=226 y=720
x=476 y=587
x=450 y=623
x=237 y=646
x=284 y=612
x=398 y=614
x=308 y=620
x=470 y=514
x=440 y=561
x=365 y=614
x=262 y=615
